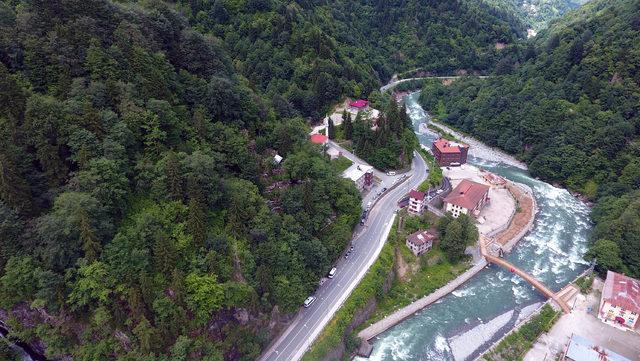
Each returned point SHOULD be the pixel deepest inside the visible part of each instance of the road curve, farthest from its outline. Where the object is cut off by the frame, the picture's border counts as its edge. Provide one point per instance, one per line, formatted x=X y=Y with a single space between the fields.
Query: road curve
x=368 y=241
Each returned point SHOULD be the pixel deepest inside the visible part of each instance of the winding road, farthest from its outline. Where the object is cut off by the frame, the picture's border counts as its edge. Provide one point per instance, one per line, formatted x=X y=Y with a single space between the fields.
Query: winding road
x=368 y=242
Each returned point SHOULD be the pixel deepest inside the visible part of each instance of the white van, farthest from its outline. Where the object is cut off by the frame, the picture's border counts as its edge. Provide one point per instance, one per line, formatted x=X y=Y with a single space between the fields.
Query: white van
x=332 y=272
x=391 y=173
x=309 y=301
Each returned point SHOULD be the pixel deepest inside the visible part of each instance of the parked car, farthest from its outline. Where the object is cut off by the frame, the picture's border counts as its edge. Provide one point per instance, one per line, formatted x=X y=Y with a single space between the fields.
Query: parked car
x=332 y=273
x=384 y=189
x=309 y=301
x=391 y=173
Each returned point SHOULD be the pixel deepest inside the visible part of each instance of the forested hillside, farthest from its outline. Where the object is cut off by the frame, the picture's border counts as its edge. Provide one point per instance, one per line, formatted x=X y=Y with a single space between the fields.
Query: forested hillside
x=571 y=110
x=142 y=214
x=307 y=54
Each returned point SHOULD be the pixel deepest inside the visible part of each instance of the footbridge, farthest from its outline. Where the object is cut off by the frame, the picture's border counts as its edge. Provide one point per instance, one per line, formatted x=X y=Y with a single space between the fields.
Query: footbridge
x=485 y=242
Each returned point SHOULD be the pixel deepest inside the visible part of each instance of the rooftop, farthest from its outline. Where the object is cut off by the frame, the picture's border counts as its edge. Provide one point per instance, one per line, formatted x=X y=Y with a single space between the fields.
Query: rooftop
x=356 y=171
x=319 y=138
x=582 y=349
x=421 y=237
x=445 y=146
x=360 y=103
x=467 y=194
x=416 y=195
x=622 y=291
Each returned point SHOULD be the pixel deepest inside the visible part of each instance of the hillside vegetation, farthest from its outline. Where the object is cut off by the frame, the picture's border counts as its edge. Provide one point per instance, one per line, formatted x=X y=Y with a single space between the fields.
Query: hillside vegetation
x=568 y=104
x=141 y=214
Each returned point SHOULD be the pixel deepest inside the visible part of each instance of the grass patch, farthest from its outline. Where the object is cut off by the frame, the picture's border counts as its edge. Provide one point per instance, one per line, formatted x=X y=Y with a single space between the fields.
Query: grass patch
x=369 y=287
x=443 y=133
x=426 y=280
x=515 y=346
x=435 y=172
x=584 y=283
x=341 y=163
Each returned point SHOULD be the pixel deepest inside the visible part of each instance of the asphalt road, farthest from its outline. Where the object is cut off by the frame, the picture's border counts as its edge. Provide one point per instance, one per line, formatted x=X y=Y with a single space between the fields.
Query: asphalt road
x=294 y=342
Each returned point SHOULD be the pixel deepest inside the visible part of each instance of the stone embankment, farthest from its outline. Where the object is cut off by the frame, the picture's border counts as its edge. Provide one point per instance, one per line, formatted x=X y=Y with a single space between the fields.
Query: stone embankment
x=522 y=220
x=393 y=319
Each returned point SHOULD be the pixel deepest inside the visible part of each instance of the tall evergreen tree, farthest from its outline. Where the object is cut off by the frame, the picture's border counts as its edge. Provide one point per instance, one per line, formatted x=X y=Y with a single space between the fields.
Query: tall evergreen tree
x=331 y=130
x=347 y=125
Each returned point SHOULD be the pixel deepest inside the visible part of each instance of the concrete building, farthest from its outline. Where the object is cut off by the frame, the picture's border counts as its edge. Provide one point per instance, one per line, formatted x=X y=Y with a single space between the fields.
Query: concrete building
x=421 y=242
x=333 y=153
x=467 y=198
x=361 y=175
x=449 y=153
x=620 y=302
x=582 y=349
x=416 y=202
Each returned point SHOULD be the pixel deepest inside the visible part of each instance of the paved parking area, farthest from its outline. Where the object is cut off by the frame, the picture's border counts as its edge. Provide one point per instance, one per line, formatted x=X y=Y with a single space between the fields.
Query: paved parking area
x=583 y=321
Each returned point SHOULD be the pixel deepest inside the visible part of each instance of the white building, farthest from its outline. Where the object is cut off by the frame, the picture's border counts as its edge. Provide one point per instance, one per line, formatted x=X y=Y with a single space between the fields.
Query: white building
x=361 y=175
x=467 y=198
x=620 y=301
x=416 y=202
x=420 y=242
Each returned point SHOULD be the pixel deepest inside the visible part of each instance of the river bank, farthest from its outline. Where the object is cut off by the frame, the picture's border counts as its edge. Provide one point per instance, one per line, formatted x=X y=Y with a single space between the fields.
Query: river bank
x=490 y=304
x=477 y=148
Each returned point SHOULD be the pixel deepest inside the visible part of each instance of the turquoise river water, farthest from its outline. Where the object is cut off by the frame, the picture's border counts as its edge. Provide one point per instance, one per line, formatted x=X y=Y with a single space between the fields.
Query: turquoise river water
x=468 y=321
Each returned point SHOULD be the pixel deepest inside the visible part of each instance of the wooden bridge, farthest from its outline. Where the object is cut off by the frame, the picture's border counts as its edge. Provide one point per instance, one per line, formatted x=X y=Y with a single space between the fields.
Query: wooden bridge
x=557 y=297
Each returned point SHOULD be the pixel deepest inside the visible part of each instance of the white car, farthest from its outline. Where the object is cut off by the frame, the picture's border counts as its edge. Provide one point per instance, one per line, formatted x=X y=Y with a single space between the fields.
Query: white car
x=391 y=173
x=309 y=301
x=332 y=273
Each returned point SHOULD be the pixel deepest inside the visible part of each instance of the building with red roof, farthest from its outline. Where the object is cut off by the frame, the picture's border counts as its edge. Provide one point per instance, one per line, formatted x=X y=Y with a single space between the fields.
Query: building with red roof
x=421 y=242
x=449 y=153
x=319 y=139
x=359 y=104
x=620 y=301
x=468 y=197
x=416 y=202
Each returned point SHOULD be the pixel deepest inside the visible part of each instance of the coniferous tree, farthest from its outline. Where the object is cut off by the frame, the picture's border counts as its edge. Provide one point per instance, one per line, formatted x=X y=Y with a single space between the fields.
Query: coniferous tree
x=90 y=243
x=331 y=130
x=174 y=176
x=347 y=125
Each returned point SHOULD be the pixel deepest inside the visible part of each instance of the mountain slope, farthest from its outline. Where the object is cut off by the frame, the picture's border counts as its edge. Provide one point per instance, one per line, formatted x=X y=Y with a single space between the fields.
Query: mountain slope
x=571 y=111
x=537 y=13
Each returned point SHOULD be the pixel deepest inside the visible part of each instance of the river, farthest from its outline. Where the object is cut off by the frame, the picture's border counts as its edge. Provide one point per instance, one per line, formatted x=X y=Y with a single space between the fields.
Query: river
x=468 y=321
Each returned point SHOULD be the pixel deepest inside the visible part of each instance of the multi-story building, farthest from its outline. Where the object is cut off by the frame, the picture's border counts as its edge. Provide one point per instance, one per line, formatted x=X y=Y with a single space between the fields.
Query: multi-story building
x=468 y=197
x=449 y=153
x=421 y=242
x=416 y=202
x=620 y=302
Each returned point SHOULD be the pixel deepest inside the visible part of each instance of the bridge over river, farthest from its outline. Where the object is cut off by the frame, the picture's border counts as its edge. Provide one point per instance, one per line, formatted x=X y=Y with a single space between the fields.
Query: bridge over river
x=485 y=244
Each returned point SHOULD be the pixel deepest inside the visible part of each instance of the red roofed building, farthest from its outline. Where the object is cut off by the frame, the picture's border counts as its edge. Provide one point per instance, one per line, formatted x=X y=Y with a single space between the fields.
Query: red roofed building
x=359 y=104
x=620 y=302
x=319 y=139
x=416 y=202
x=468 y=197
x=449 y=153
x=421 y=242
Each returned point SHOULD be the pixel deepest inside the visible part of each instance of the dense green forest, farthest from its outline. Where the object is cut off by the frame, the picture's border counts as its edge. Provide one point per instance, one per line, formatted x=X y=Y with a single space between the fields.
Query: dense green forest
x=569 y=105
x=308 y=54
x=142 y=216
x=390 y=144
